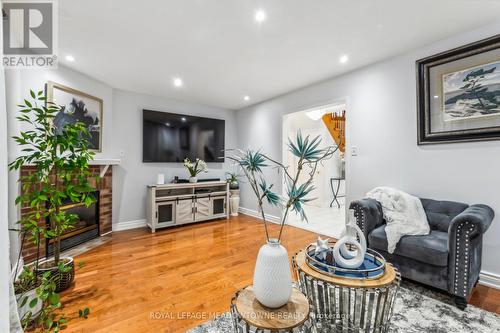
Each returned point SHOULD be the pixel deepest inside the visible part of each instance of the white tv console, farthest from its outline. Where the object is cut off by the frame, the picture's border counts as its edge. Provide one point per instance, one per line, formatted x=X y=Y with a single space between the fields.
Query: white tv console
x=182 y=203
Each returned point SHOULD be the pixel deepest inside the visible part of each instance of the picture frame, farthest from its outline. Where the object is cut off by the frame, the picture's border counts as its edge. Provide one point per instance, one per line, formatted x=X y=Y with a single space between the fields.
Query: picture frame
x=78 y=106
x=458 y=94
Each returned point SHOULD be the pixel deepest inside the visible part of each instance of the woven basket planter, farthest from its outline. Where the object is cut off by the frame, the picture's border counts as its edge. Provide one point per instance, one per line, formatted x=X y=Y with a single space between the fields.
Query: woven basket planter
x=63 y=280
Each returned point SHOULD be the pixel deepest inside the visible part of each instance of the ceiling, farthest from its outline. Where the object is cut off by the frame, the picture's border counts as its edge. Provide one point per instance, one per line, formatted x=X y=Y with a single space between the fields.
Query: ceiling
x=222 y=53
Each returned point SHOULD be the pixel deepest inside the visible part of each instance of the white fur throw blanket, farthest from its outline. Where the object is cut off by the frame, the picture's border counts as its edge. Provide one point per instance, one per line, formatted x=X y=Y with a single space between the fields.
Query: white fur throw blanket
x=403 y=213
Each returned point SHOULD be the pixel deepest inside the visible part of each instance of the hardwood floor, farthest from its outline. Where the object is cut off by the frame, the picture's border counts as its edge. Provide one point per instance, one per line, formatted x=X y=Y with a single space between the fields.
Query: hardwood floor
x=486 y=298
x=169 y=281
x=178 y=278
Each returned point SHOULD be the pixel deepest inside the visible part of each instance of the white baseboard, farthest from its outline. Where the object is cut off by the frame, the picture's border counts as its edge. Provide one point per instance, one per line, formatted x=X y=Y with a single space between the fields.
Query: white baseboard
x=489 y=280
x=129 y=225
x=254 y=213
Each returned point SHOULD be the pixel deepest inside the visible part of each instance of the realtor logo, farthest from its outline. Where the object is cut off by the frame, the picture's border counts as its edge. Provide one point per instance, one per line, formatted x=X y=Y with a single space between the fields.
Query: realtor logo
x=29 y=34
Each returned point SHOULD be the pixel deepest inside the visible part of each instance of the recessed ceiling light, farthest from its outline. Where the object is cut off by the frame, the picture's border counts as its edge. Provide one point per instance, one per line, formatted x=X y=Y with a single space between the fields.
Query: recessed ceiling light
x=183 y=119
x=246 y=98
x=70 y=58
x=177 y=81
x=167 y=124
x=343 y=59
x=260 y=16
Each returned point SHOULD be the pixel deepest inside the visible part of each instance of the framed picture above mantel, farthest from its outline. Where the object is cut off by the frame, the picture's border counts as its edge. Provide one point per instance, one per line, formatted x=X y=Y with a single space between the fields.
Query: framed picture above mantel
x=458 y=94
x=78 y=106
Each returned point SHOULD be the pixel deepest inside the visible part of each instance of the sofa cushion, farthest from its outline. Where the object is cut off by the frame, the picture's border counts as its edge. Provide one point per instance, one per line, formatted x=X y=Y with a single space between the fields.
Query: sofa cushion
x=431 y=249
x=440 y=213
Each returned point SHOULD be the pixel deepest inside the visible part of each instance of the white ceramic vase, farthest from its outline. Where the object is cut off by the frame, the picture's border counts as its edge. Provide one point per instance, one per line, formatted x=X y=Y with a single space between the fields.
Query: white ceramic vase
x=234 y=202
x=272 y=280
x=193 y=179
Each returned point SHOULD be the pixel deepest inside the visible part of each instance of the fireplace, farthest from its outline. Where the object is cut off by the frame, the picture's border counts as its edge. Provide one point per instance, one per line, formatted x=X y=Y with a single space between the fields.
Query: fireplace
x=85 y=229
x=94 y=221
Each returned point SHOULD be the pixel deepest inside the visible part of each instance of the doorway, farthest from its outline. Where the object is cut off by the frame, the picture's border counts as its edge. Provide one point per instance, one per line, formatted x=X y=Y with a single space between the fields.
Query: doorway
x=326 y=212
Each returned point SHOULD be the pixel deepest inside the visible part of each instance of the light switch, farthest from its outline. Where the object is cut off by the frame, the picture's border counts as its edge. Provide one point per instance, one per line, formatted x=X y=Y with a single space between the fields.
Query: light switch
x=354 y=151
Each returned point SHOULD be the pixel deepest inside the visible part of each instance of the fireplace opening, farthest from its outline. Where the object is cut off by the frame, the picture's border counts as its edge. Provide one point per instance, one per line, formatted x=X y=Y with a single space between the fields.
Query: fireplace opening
x=85 y=229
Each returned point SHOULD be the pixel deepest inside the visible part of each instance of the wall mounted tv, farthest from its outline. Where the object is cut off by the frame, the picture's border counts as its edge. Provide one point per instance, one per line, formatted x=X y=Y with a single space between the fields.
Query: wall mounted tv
x=170 y=137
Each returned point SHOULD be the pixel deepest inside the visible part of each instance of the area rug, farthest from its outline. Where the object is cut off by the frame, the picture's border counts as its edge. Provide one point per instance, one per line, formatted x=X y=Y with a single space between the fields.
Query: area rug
x=417 y=310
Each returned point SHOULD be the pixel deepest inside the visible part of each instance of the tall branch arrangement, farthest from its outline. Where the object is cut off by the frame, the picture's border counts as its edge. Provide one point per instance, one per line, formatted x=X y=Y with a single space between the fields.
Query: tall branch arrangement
x=309 y=155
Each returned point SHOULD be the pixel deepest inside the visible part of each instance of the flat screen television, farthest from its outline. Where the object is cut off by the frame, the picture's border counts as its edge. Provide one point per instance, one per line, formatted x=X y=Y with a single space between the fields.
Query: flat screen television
x=170 y=137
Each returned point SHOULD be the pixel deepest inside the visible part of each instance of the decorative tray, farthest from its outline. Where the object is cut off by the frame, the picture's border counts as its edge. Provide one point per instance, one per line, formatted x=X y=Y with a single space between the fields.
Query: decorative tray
x=372 y=268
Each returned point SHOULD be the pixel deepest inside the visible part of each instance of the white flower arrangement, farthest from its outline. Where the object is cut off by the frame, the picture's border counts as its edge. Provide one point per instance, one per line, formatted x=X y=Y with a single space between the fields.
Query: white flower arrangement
x=196 y=167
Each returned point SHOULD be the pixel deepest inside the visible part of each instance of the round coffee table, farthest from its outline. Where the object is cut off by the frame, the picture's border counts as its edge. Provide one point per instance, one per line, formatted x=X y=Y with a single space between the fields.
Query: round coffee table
x=348 y=305
x=250 y=316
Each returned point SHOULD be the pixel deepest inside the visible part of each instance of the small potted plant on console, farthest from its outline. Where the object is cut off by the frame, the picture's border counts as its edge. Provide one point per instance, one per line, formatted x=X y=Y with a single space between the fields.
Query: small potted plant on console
x=195 y=168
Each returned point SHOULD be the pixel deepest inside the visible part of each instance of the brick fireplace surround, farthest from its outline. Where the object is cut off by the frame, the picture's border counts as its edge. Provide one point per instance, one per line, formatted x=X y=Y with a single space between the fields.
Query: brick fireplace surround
x=105 y=188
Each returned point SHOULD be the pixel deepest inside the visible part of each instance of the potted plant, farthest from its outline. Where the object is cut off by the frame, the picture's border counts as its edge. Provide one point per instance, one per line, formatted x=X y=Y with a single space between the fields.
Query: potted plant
x=272 y=281
x=40 y=308
x=234 y=190
x=195 y=168
x=25 y=290
x=232 y=179
x=60 y=158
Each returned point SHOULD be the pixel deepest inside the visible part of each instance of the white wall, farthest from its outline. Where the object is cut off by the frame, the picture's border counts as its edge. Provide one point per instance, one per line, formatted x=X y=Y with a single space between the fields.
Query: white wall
x=132 y=176
x=381 y=122
x=4 y=225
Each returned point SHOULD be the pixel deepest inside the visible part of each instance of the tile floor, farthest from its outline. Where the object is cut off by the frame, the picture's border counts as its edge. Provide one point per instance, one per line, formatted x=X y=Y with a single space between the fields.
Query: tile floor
x=322 y=220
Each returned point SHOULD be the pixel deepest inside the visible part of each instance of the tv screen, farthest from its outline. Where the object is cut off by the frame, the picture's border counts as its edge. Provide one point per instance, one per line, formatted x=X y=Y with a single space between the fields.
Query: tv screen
x=170 y=137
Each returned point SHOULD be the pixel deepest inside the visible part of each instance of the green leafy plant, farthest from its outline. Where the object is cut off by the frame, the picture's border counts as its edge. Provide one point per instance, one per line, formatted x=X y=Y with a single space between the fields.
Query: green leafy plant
x=60 y=158
x=50 y=318
x=309 y=156
x=26 y=281
x=232 y=177
x=233 y=180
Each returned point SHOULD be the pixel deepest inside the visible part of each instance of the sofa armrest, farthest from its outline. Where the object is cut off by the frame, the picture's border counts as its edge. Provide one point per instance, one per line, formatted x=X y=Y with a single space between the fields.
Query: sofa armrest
x=465 y=242
x=478 y=216
x=368 y=213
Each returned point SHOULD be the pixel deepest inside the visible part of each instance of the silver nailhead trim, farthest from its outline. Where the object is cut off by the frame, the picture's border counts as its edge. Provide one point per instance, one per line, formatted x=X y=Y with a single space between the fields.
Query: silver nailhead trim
x=459 y=236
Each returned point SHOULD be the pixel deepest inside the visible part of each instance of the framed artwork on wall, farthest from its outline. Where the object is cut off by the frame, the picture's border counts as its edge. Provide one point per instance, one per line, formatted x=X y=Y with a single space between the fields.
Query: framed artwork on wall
x=458 y=94
x=78 y=106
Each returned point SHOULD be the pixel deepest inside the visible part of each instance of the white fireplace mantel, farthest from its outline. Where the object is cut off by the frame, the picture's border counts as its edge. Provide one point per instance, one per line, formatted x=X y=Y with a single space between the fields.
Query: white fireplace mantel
x=105 y=163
